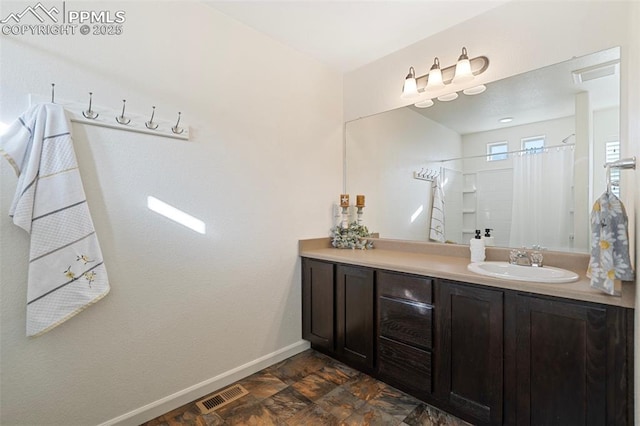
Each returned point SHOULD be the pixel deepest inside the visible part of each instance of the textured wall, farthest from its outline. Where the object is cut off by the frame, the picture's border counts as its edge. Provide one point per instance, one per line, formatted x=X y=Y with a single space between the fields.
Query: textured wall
x=262 y=171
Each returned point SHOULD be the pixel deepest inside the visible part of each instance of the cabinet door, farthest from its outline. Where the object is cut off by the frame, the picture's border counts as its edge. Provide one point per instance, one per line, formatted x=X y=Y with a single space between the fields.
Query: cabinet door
x=355 y=315
x=561 y=362
x=318 y=304
x=469 y=357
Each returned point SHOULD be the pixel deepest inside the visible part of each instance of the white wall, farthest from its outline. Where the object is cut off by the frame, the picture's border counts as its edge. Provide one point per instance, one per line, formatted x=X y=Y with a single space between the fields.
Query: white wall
x=384 y=151
x=262 y=170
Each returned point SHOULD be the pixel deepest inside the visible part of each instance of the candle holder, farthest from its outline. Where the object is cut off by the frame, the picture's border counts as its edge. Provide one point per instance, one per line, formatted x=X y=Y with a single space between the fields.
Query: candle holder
x=359 y=213
x=345 y=217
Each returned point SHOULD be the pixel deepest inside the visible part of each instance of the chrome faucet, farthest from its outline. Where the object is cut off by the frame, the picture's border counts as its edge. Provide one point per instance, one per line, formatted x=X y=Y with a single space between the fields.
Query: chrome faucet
x=522 y=258
x=519 y=257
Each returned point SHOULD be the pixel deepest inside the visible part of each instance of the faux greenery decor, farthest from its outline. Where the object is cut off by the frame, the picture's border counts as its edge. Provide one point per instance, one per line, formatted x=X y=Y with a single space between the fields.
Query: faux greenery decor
x=353 y=237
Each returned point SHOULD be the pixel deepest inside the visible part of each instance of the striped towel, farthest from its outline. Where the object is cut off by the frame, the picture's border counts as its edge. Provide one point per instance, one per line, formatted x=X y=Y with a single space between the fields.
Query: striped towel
x=436 y=231
x=66 y=269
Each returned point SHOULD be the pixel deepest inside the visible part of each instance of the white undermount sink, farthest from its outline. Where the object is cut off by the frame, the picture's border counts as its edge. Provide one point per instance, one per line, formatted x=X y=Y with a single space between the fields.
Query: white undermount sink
x=507 y=271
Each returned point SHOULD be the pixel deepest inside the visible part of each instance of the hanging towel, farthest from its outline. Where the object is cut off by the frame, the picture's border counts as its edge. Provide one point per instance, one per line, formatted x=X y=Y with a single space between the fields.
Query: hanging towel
x=436 y=231
x=66 y=270
x=609 y=259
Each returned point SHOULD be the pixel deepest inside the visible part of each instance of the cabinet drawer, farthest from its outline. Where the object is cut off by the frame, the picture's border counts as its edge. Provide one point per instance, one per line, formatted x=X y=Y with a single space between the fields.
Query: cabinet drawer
x=404 y=366
x=409 y=287
x=405 y=321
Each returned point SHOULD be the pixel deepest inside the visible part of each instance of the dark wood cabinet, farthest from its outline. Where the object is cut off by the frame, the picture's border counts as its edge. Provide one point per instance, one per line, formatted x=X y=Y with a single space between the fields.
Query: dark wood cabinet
x=355 y=315
x=570 y=359
x=338 y=311
x=405 y=331
x=490 y=356
x=318 y=294
x=469 y=372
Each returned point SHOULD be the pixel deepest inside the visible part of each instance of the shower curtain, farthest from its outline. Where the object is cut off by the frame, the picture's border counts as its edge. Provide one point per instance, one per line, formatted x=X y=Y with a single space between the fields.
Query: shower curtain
x=542 y=199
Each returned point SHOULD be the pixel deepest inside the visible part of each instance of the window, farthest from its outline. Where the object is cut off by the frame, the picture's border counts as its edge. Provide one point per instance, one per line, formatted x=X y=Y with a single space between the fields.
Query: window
x=612 y=153
x=533 y=145
x=497 y=151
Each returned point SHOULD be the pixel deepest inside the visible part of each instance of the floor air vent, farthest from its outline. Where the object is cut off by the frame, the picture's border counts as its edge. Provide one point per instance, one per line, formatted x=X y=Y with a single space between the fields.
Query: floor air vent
x=222 y=398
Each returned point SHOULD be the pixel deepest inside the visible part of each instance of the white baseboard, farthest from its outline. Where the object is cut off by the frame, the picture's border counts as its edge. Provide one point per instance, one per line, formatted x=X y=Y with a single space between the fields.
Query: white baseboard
x=171 y=402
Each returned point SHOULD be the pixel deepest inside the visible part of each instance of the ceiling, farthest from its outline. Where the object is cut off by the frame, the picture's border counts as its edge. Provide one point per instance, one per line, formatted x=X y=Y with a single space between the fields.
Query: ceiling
x=349 y=34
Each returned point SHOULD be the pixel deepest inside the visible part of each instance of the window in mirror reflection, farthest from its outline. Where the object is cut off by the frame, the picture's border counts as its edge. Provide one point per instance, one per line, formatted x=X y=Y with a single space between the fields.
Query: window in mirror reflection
x=497 y=151
x=533 y=145
x=612 y=153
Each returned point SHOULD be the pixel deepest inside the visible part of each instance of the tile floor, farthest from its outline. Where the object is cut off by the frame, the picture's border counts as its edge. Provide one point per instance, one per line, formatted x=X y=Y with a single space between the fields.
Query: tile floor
x=313 y=389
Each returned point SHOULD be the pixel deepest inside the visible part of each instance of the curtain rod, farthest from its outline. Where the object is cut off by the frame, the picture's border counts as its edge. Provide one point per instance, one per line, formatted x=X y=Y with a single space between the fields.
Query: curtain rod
x=530 y=150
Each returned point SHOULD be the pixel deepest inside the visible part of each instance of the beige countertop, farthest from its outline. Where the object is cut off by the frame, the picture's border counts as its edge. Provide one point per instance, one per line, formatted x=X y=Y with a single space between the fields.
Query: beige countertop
x=450 y=262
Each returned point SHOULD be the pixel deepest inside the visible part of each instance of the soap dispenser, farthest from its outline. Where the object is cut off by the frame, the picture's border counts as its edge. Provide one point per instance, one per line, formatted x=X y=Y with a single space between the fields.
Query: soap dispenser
x=488 y=239
x=476 y=246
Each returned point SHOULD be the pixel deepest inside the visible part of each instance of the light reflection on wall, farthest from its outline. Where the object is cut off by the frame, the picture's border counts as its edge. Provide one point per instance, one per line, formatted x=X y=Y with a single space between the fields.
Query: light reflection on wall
x=417 y=213
x=176 y=215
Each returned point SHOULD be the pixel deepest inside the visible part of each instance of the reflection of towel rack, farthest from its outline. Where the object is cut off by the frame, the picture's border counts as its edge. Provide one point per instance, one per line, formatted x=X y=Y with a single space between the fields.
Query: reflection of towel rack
x=428 y=175
x=625 y=163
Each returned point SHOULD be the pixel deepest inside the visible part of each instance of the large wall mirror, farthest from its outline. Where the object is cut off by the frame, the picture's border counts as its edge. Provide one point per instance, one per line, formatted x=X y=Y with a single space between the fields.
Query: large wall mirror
x=532 y=180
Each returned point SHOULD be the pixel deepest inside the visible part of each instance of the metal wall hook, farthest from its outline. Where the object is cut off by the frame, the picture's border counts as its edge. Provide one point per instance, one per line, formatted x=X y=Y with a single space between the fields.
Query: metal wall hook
x=150 y=124
x=53 y=93
x=121 y=118
x=175 y=129
x=90 y=113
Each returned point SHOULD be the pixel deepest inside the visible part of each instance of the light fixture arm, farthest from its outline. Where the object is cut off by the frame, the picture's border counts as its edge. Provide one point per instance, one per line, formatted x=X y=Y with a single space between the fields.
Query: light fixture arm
x=464 y=54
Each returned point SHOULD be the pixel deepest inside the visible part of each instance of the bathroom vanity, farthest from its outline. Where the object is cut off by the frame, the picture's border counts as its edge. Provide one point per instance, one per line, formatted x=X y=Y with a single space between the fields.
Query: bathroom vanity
x=487 y=350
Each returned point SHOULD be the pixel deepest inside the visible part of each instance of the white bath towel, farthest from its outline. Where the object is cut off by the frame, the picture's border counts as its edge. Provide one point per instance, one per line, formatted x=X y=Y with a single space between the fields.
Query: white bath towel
x=66 y=270
x=610 y=259
x=436 y=231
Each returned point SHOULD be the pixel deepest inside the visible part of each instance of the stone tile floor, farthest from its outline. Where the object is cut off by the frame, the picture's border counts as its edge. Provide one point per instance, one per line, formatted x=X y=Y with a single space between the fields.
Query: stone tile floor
x=313 y=389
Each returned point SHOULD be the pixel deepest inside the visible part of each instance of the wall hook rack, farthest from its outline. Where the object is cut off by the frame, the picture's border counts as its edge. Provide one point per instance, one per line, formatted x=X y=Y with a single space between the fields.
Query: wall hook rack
x=101 y=116
x=428 y=174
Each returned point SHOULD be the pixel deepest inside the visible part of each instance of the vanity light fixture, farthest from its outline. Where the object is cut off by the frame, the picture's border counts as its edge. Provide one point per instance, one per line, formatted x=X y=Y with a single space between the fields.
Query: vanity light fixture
x=438 y=80
x=410 y=87
x=463 y=69
x=434 y=81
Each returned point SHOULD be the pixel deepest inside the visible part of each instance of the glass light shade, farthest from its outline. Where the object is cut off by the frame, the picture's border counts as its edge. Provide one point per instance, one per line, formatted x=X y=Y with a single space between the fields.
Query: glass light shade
x=434 y=81
x=475 y=90
x=449 y=97
x=410 y=87
x=424 y=104
x=463 y=69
